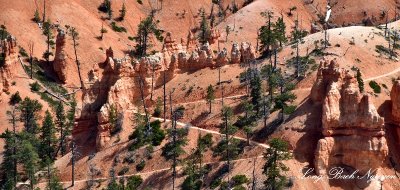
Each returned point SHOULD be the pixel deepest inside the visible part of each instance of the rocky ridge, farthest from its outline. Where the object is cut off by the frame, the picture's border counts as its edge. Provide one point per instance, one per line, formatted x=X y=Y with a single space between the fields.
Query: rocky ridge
x=352 y=128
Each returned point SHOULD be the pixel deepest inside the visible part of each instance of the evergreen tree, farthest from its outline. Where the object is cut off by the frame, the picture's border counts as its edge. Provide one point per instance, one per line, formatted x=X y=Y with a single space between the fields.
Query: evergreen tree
x=134 y=182
x=54 y=181
x=102 y=31
x=210 y=96
x=28 y=157
x=280 y=31
x=360 y=80
x=266 y=35
x=273 y=167
x=15 y=99
x=255 y=85
x=47 y=31
x=123 y=12
x=285 y=96
x=48 y=140
x=61 y=123
x=8 y=168
x=29 y=114
x=204 y=28
x=36 y=16
x=146 y=28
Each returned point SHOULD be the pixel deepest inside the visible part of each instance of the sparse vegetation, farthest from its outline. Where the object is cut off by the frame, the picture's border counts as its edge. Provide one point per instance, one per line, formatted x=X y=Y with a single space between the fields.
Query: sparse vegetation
x=375 y=86
x=117 y=28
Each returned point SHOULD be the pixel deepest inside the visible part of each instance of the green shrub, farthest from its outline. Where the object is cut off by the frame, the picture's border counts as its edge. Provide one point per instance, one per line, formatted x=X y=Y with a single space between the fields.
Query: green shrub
x=215 y=183
x=22 y=52
x=140 y=2
x=123 y=171
x=117 y=28
x=289 y=109
x=239 y=180
x=35 y=87
x=15 y=98
x=134 y=182
x=141 y=165
x=375 y=86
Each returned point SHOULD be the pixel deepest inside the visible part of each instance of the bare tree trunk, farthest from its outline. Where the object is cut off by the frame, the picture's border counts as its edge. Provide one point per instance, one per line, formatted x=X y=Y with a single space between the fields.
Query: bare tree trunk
x=173 y=120
x=44 y=11
x=227 y=148
x=73 y=164
x=253 y=187
x=31 y=45
x=77 y=61
x=152 y=83
x=164 y=96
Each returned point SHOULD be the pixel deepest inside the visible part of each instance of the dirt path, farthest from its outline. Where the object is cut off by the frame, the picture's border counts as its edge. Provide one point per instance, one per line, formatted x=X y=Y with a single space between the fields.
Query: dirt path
x=213 y=132
x=140 y=173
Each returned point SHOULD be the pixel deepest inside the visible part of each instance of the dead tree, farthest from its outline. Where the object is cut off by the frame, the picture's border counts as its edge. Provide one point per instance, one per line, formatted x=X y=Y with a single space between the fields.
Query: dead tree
x=44 y=11
x=73 y=163
x=253 y=187
x=173 y=120
x=152 y=81
x=141 y=85
x=75 y=36
x=31 y=45
x=165 y=98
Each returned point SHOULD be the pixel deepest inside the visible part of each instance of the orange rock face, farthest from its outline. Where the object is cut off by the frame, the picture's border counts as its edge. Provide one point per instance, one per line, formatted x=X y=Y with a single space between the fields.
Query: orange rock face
x=352 y=128
x=7 y=48
x=60 y=57
x=395 y=97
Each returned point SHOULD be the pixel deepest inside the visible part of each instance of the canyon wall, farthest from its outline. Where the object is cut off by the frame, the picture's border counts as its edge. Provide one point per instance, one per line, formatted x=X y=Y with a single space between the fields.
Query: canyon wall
x=352 y=128
x=116 y=83
x=9 y=57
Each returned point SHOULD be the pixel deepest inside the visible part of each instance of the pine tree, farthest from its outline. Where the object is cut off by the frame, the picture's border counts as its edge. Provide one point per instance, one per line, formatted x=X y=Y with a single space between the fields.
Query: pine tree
x=146 y=28
x=102 y=31
x=29 y=158
x=266 y=35
x=54 y=181
x=280 y=31
x=285 y=96
x=273 y=167
x=8 y=168
x=255 y=85
x=61 y=124
x=123 y=12
x=36 y=16
x=47 y=31
x=29 y=114
x=360 y=80
x=48 y=140
x=204 y=28
x=210 y=96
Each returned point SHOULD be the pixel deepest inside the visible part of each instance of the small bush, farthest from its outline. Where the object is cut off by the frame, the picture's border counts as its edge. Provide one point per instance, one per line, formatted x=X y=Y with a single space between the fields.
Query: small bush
x=35 y=87
x=375 y=86
x=140 y=2
x=134 y=182
x=215 y=183
x=123 y=171
x=130 y=158
x=117 y=28
x=22 y=52
x=289 y=109
x=141 y=165
x=15 y=98
x=239 y=180
x=131 y=38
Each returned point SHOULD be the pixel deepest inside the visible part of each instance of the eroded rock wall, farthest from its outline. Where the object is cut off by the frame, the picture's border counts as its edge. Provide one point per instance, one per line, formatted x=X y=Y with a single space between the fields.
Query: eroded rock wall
x=352 y=128
x=10 y=57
